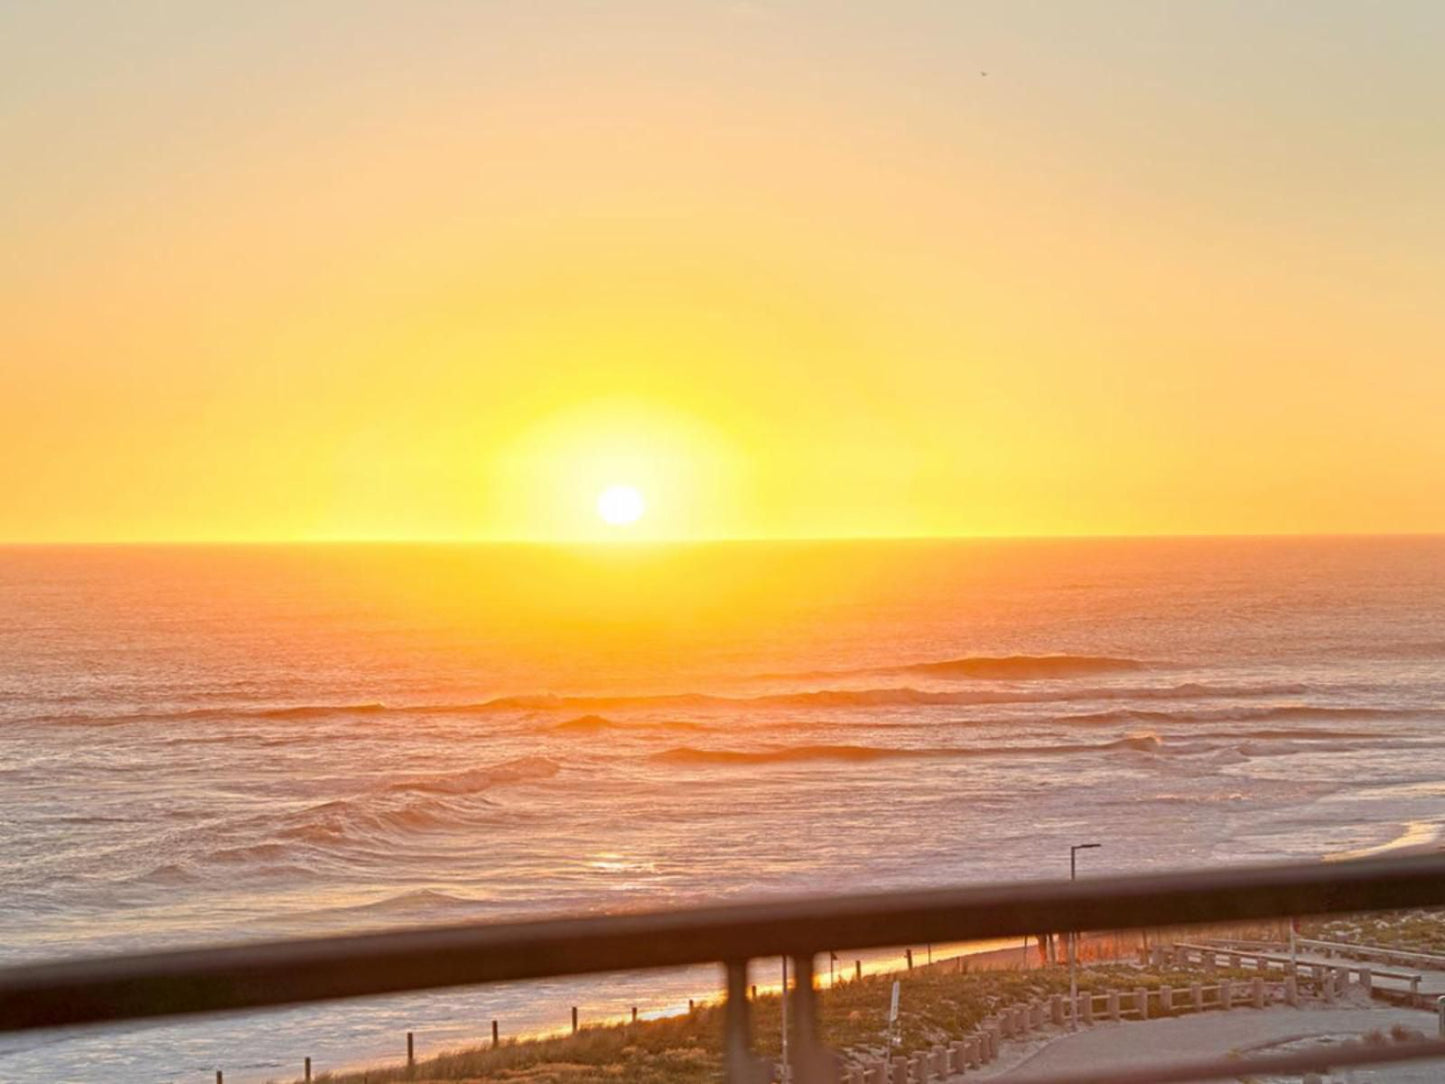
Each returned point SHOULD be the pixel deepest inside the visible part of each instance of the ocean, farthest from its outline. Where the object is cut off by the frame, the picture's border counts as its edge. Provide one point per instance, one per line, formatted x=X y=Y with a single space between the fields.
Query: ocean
x=205 y=744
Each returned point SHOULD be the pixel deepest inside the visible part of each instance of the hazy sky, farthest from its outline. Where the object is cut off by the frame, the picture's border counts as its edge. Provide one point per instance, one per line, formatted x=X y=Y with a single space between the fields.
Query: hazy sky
x=348 y=269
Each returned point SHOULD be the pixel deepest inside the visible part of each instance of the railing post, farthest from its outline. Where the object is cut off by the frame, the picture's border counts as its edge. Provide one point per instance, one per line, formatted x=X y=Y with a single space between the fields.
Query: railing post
x=811 y=1062
x=742 y=1067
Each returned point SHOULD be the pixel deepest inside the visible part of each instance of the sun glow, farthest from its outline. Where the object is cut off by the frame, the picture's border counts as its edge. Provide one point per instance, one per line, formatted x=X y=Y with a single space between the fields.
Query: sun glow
x=621 y=505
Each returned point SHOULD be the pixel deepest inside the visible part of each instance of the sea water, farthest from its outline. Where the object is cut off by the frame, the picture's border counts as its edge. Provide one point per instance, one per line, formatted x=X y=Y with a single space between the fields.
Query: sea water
x=214 y=744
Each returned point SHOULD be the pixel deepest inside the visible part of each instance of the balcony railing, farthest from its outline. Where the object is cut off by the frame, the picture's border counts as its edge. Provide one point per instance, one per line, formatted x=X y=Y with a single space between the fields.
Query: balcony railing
x=252 y=976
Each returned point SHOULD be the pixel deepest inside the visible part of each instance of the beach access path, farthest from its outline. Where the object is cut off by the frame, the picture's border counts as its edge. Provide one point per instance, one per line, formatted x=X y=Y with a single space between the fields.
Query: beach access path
x=1133 y=1044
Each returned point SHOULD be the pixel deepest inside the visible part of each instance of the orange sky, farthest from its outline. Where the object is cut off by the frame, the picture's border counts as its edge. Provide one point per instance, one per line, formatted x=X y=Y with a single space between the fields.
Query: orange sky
x=434 y=270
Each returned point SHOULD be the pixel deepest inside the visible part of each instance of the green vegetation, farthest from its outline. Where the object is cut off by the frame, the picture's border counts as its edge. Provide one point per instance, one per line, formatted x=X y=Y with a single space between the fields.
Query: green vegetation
x=1409 y=931
x=937 y=1004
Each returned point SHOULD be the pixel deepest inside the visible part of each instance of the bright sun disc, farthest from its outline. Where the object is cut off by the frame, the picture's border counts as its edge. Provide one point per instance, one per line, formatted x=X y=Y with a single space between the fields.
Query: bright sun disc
x=620 y=505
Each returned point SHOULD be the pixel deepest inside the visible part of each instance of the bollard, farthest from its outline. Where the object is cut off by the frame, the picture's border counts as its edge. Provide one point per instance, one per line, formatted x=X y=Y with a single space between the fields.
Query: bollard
x=1141 y=1002
x=574 y=1019
x=307 y=1076
x=410 y=1050
x=1113 y=1004
x=1257 y=993
x=496 y=1036
x=1166 y=999
x=1226 y=995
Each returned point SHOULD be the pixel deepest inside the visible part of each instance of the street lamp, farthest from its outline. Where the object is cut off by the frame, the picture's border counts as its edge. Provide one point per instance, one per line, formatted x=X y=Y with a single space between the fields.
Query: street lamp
x=1074 y=850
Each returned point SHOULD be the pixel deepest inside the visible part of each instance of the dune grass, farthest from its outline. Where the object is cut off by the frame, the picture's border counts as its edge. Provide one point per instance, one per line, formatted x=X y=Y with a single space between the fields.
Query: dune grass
x=937 y=1004
x=1410 y=931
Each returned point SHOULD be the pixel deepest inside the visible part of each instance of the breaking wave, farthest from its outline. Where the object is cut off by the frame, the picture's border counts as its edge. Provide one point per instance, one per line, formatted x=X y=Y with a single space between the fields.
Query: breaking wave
x=1278 y=713
x=992 y=668
x=595 y=706
x=786 y=754
x=598 y=724
x=476 y=780
x=301 y=842
x=893 y=696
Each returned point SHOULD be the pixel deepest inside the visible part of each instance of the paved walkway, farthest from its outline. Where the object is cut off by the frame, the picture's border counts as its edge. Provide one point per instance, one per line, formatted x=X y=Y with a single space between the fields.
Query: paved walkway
x=1142 y=1043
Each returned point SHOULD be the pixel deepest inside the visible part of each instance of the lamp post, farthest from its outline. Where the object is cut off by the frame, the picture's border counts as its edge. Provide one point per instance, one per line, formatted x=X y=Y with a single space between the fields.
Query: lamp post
x=1074 y=850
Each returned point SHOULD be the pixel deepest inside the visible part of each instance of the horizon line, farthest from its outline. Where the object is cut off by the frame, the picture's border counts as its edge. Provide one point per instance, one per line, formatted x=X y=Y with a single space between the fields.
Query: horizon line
x=720 y=540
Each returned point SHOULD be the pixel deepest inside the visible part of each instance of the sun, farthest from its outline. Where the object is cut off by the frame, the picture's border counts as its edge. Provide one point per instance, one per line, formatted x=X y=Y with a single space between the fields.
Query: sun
x=621 y=505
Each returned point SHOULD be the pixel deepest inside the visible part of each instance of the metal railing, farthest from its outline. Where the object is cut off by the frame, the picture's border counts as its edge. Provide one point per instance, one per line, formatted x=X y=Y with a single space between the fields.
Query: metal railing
x=251 y=976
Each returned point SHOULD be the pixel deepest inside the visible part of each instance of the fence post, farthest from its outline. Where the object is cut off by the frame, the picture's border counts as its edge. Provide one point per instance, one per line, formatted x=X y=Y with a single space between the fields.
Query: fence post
x=908 y=956
x=1226 y=995
x=219 y=1078
x=1258 y=993
x=574 y=1019
x=410 y=1050
x=1141 y=1002
x=308 y=1071
x=634 y=1015
x=496 y=1037
x=1197 y=990
x=857 y=969
x=1113 y=1004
